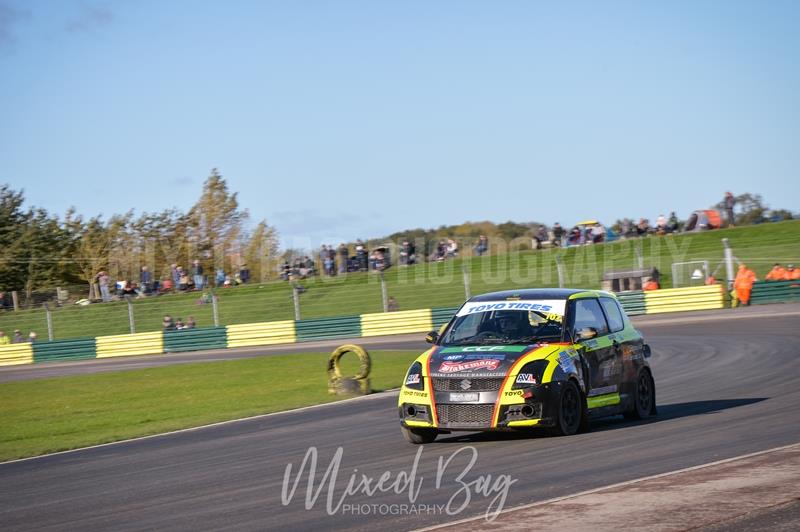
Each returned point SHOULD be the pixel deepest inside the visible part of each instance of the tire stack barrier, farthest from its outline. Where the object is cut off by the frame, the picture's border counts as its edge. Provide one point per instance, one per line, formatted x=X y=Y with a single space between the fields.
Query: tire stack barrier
x=266 y=333
x=13 y=354
x=60 y=350
x=682 y=299
x=181 y=340
x=632 y=302
x=123 y=345
x=328 y=328
x=356 y=385
x=441 y=316
x=765 y=292
x=407 y=321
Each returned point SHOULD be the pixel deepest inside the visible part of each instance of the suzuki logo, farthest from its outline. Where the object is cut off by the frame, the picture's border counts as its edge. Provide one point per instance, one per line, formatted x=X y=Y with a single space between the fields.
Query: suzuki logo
x=466 y=384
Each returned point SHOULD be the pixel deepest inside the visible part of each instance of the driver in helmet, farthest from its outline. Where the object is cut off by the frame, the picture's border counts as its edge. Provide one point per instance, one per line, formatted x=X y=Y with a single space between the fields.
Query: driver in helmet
x=509 y=323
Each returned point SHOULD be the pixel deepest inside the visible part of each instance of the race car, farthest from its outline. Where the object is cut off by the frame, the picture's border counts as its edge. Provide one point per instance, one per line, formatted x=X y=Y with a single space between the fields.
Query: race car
x=524 y=359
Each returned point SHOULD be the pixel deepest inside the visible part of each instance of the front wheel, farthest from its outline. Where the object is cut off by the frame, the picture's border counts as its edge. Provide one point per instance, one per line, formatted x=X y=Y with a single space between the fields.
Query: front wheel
x=644 y=397
x=570 y=411
x=418 y=436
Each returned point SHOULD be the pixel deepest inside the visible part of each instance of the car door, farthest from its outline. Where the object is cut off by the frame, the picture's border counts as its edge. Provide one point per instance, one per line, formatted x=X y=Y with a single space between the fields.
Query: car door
x=601 y=354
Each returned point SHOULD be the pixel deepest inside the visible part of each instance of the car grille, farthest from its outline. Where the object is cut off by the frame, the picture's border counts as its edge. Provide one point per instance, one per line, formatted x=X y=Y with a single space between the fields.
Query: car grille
x=465 y=415
x=461 y=384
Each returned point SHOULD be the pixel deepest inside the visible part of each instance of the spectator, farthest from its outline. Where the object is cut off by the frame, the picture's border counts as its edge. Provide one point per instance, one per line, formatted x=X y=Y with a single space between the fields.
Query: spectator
x=128 y=289
x=344 y=255
x=183 y=280
x=598 y=234
x=190 y=323
x=18 y=338
x=219 y=277
x=32 y=337
x=197 y=274
x=558 y=234
x=482 y=246
x=643 y=227
x=792 y=273
x=244 y=274
x=176 y=270
x=167 y=323
x=4 y=340
x=729 y=201
x=404 y=255
x=179 y=325
x=661 y=225
x=103 y=280
x=332 y=257
x=540 y=237
x=323 y=259
x=650 y=285
x=777 y=273
x=711 y=280
x=361 y=255
x=391 y=305
x=452 y=248
x=145 y=281
x=673 y=224
x=743 y=284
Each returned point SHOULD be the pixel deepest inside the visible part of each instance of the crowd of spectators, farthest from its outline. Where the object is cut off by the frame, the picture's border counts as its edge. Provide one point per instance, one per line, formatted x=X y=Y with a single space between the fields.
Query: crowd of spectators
x=18 y=338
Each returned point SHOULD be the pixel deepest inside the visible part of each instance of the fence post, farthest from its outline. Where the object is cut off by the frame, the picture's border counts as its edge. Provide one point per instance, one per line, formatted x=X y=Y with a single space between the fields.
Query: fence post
x=215 y=309
x=560 y=270
x=465 y=273
x=15 y=299
x=130 y=315
x=637 y=248
x=728 y=262
x=49 y=321
x=384 y=294
x=296 y=297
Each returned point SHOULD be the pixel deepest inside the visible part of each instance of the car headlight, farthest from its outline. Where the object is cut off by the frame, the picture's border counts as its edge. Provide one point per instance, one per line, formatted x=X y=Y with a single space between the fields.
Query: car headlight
x=530 y=374
x=414 y=377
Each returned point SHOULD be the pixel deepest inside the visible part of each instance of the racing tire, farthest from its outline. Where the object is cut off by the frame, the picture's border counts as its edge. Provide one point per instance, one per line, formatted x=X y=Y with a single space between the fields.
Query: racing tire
x=419 y=436
x=644 y=397
x=570 y=411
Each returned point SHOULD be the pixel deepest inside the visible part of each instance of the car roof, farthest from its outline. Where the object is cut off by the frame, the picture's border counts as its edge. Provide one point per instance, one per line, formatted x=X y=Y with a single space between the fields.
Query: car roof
x=540 y=293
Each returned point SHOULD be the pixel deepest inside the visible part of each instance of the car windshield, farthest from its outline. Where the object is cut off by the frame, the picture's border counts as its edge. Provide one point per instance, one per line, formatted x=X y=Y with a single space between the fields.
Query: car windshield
x=498 y=323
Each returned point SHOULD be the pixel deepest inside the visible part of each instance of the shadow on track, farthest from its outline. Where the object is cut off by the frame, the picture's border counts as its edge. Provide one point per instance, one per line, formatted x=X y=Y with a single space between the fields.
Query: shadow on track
x=665 y=413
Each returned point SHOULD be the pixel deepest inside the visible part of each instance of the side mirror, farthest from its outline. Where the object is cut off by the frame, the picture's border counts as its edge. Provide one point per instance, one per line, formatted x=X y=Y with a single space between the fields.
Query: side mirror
x=432 y=337
x=587 y=333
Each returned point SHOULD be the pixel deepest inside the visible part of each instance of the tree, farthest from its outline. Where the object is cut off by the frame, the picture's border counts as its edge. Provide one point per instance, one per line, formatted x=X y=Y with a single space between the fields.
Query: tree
x=215 y=221
x=261 y=251
x=93 y=242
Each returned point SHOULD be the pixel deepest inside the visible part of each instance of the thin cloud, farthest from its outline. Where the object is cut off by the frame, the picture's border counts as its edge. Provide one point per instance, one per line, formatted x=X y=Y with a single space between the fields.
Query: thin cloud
x=9 y=18
x=89 y=19
x=182 y=181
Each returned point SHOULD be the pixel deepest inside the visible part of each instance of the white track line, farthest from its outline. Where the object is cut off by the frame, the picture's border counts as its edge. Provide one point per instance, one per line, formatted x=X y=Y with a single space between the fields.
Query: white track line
x=610 y=486
x=217 y=424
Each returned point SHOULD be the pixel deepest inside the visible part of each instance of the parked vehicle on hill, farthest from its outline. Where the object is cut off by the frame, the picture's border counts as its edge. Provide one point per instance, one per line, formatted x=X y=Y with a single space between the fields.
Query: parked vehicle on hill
x=516 y=360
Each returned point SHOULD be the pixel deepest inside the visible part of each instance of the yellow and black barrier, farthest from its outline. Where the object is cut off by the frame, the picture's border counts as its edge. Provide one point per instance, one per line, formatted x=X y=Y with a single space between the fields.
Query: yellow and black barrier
x=683 y=299
x=407 y=321
x=358 y=384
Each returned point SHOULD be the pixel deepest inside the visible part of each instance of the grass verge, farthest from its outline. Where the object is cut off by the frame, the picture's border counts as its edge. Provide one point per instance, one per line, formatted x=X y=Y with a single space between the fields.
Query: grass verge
x=57 y=414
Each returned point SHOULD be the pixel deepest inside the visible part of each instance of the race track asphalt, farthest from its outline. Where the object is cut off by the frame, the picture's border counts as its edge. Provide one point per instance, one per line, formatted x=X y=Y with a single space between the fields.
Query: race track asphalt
x=727 y=385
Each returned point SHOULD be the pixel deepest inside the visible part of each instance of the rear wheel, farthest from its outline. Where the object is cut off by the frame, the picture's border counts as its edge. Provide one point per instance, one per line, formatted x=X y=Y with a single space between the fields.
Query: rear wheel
x=644 y=397
x=570 y=411
x=418 y=436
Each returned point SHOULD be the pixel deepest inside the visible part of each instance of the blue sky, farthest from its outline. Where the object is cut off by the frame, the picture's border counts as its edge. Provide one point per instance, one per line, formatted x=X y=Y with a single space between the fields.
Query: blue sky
x=343 y=119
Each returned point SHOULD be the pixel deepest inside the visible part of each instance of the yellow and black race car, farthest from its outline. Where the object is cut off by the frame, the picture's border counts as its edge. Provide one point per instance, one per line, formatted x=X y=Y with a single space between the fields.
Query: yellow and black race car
x=550 y=358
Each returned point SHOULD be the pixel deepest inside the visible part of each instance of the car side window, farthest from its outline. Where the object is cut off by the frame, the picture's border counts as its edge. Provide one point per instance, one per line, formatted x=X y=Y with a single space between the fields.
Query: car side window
x=615 y=320
x=589 y=314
